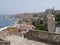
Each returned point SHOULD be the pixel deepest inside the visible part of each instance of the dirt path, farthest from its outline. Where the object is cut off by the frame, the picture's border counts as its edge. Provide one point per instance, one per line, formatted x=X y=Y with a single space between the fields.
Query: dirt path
x=17 y=40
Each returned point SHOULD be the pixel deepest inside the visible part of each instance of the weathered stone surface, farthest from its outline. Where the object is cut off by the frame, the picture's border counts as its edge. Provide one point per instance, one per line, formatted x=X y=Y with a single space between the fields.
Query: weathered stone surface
x=51 y=22
x=43 y=36
x=18 y=40
x=4 y=43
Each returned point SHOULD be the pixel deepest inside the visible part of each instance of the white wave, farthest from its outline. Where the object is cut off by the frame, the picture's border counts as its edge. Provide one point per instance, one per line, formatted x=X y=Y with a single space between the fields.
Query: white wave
x=4 y=28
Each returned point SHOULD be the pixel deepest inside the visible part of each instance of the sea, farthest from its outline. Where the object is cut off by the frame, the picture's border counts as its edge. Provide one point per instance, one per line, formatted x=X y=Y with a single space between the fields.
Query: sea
x=8 y=22
x=5 y=22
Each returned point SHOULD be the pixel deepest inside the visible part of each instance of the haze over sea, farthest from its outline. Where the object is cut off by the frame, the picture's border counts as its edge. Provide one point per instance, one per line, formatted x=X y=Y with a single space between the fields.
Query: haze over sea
x=4 y=22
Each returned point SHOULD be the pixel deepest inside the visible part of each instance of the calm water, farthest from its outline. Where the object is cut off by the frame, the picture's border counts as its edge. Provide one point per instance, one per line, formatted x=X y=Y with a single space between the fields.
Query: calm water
x=4 y=22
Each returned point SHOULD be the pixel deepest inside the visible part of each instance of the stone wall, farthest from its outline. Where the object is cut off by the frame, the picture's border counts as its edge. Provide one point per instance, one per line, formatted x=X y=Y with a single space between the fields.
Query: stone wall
x=11 y=31
x=4 y=43
x=43 y=36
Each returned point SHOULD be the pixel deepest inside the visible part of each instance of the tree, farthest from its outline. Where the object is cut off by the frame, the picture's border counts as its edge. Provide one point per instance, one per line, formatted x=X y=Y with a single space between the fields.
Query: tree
x=57 y=19
x=40 y=25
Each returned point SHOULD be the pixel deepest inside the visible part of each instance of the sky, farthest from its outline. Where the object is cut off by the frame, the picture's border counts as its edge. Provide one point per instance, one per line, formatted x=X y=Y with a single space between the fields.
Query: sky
x=26 y=6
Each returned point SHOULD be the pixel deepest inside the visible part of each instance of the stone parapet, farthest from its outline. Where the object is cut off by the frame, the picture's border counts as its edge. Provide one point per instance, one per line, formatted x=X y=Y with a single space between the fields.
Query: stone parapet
x=43 y=36
x=4 y=43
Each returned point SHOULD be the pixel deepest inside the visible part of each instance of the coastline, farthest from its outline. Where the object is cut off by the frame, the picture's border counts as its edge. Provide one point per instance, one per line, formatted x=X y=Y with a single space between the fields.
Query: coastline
x=9 y=25
x=4 y=28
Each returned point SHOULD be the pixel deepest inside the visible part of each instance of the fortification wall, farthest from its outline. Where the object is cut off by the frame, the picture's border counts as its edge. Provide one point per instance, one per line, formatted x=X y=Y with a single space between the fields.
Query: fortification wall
x=43 y=36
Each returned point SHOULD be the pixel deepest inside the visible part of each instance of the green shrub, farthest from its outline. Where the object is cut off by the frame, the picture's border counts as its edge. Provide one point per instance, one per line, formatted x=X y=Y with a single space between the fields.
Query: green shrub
x=57 y=19
x=40 y=26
